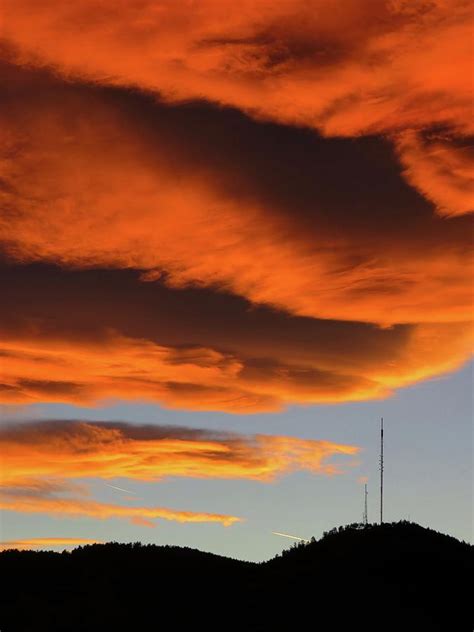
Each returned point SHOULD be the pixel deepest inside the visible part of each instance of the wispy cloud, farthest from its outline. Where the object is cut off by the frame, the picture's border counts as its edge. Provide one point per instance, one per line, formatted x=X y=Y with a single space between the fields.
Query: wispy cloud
x=62 y=450
x=45 y=543
x=44 y=459
x=70 y=507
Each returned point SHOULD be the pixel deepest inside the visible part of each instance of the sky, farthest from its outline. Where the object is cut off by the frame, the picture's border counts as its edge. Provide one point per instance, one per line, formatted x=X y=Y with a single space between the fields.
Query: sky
x=231 y=239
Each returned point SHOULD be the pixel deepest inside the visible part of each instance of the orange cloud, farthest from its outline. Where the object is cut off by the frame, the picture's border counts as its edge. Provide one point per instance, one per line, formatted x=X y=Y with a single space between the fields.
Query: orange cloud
x=45 y=543
x=69 y=450
x=351 y=69
x=360 y=67
x=63 y=370
x=443 y=172
x=79 y=508
x=43 y=459
x=165 y=202
x=151 y=205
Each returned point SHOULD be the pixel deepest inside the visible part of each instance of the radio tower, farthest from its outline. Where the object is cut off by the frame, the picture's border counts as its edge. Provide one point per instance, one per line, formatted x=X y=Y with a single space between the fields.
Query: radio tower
x=365 y=519
x=381 y=470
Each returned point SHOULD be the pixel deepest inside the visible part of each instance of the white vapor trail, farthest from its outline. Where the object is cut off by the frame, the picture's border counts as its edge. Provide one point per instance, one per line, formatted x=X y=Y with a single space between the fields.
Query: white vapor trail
x=293 y=537
x=120 y=489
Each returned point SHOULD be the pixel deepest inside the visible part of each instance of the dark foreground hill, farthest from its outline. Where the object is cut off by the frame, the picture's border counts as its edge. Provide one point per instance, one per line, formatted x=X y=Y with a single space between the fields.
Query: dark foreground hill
x=391 y=577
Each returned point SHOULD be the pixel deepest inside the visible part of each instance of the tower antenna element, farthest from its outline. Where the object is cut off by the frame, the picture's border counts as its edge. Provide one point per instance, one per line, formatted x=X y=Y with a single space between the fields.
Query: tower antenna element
x=365 y=519
x=381 y=470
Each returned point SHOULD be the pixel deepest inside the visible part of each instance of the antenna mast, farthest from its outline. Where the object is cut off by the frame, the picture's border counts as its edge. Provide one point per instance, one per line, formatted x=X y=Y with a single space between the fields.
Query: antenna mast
x=365 y=519
x=381 y=470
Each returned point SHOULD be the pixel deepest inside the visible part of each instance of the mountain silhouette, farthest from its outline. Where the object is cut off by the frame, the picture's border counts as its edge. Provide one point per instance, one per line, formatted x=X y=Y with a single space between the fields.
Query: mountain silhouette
x=395 y=576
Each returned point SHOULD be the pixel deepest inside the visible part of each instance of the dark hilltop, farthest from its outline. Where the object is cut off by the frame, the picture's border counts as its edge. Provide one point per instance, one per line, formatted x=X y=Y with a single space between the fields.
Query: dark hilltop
x=395 y=576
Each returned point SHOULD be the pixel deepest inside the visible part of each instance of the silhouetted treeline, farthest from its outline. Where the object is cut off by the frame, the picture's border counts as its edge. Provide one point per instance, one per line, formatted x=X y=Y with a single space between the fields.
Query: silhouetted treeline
x=397 y=576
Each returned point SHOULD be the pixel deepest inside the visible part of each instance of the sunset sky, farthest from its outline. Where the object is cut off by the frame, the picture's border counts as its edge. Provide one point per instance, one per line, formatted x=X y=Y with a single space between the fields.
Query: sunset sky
x=232 y=237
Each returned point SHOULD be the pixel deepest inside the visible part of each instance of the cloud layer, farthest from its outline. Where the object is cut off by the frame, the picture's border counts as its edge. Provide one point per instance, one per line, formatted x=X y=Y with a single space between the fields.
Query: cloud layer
x=196 y=349
x=99 y=179
x=43 y=462
x=345 y=70
x=52 y=450
x=233 y=208
x=45 y=543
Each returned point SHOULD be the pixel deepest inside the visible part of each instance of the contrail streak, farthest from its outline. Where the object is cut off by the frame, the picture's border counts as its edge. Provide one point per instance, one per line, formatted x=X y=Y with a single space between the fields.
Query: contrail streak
x=120 y=489
x=293 y=537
